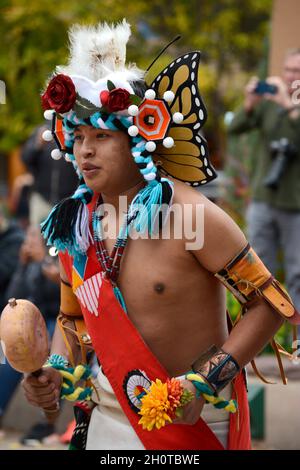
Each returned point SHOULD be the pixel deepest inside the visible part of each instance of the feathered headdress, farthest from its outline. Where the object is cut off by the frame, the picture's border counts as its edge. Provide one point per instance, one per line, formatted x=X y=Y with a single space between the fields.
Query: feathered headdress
x=96 y=88
x=95 y=52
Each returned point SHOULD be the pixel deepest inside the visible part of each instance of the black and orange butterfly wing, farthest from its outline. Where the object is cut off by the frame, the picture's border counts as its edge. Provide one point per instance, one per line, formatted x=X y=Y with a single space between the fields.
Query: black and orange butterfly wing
x=188 y=159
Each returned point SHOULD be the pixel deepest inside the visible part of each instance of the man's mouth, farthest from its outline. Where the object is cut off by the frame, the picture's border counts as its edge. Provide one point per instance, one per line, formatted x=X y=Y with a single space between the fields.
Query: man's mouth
x=89 y=166
x=88 y=169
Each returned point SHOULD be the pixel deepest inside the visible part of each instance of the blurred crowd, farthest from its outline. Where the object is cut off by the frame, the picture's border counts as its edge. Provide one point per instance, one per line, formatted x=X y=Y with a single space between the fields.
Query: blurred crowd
x=29 y=269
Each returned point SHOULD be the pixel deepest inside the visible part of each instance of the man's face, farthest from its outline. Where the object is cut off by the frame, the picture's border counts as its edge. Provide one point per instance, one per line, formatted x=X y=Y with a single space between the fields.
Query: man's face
x=291 y=71
x=104 y=159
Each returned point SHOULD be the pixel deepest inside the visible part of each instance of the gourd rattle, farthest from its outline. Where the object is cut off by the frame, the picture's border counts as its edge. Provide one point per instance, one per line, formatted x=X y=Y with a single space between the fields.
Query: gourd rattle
x=24 y=340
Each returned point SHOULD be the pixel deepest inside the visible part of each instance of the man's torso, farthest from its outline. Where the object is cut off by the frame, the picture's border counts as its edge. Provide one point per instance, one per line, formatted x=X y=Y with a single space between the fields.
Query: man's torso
x=177 y=306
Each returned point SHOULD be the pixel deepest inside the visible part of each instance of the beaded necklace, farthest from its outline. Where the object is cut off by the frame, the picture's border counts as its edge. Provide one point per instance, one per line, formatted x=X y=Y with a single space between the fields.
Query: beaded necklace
x=110 y=263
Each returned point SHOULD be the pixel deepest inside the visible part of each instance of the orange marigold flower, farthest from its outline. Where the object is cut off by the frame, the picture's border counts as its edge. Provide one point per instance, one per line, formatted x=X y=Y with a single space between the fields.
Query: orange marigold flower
x=175 y=391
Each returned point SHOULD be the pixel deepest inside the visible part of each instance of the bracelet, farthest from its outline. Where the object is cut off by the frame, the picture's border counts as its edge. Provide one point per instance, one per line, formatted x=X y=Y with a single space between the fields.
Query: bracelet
x=203 y=389
x=70 y=376
x=218 y=371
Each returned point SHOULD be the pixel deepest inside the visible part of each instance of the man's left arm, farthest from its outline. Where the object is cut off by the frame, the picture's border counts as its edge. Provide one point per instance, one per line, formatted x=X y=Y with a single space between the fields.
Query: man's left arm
x=252 y=332
x=227 y=254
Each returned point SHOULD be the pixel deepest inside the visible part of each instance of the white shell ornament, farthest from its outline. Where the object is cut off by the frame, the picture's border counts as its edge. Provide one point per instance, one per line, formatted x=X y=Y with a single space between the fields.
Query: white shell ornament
x=150 y=94
x=56 y=154
x=133 y=110
x=177 y=118
x=48 y=114
x=150 y=146
x=168 y=142
x=133 y=131
x=169 y=96
x=47 y=136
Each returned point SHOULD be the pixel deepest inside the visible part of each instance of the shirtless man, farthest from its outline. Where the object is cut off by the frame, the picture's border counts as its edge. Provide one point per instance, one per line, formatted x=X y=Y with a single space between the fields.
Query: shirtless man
x=172 y=296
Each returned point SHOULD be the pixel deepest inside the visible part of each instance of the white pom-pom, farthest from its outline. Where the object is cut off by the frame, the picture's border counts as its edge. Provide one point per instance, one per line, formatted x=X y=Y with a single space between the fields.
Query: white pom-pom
x=133 y=131
x=150 y=94
x=168 y=142
x=67 y=158
x=177 y=118
x=169 y=96
x=48 y=114
x=47 y=136
x=133 y=110
x=150 y=146
x=150 y=176
x=56 y=154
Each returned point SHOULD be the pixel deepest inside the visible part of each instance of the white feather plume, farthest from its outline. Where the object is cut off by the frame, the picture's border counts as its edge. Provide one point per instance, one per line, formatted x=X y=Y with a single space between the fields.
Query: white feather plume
x=98 y=51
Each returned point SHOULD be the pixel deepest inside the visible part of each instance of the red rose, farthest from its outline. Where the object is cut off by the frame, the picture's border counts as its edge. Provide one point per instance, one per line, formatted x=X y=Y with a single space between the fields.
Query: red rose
x=115 y=100
x=60 y=94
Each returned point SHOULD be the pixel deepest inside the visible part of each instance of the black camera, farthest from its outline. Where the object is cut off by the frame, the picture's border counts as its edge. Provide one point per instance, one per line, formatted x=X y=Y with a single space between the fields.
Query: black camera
x=263 y=87
x=282 y=152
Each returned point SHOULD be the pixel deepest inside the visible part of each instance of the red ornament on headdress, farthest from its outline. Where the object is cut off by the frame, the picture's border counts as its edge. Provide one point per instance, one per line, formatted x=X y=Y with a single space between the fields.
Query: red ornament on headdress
x=153 y=120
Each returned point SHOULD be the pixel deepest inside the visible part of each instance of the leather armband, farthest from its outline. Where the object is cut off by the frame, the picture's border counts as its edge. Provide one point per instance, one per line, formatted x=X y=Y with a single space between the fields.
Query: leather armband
x=248 y=279
x=75 y=327
x=68 y=302
x=71 y=322
x=218 y=371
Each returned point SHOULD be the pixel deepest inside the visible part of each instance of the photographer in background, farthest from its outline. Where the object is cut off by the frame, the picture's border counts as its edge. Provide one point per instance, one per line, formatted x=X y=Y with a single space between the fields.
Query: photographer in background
x=273 y=216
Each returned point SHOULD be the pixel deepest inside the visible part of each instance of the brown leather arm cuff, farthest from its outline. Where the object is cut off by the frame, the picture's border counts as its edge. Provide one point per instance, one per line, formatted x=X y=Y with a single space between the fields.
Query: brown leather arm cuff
x=248 y=278
x=68 y=302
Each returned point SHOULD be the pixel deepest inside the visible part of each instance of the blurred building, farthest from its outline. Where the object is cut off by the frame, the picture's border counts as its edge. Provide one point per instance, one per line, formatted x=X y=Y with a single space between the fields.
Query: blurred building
x=285 y=32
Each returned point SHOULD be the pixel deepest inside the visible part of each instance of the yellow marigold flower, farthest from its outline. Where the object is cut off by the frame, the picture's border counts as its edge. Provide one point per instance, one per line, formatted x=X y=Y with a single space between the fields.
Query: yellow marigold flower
x=155 y=407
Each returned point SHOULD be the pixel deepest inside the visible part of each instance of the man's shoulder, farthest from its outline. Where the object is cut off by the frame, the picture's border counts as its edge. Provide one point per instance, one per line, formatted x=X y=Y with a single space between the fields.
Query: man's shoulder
x=222 y=238
x=189 y=196
x=184 y=194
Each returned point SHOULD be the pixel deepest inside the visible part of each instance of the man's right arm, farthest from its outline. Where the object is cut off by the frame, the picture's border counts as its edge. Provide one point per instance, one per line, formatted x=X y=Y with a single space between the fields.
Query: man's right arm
x=44 y=391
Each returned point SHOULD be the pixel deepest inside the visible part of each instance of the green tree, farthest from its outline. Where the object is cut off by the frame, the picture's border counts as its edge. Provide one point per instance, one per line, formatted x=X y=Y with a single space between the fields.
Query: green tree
x=33 y=41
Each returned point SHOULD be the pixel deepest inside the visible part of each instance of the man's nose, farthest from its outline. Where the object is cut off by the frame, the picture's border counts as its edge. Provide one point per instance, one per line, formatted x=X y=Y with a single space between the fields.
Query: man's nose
x=87 y=148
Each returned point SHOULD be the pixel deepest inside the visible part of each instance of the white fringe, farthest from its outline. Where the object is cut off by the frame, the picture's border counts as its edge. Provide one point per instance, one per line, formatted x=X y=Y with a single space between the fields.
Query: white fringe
x=83 y=240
